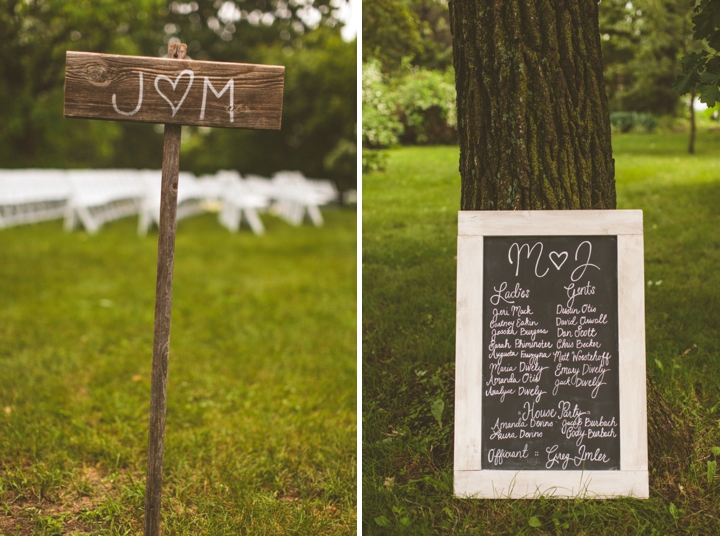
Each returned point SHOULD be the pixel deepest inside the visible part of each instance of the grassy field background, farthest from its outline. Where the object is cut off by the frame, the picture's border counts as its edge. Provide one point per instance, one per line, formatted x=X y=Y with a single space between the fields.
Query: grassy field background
x=261 y=422
x=409 y=268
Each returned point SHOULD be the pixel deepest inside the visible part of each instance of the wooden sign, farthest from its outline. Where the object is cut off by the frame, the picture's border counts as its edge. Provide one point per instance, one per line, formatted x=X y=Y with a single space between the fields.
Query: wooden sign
x=166 y=90
x=176 y=92
x=550 y=378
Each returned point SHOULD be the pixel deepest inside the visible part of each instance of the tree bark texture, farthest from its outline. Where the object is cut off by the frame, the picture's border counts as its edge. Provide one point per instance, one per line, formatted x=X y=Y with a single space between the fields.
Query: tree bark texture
x=533 y=117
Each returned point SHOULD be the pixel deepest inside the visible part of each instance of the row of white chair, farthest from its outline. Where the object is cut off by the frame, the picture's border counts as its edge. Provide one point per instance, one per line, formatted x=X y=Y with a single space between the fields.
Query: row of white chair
x=93 y=197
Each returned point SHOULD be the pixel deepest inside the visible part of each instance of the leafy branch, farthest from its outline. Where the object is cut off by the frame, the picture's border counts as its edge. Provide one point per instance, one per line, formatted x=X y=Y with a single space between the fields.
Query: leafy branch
x=701 y=70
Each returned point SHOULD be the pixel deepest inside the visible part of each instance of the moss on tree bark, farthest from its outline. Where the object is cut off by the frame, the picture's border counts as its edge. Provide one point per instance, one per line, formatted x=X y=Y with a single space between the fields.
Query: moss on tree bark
x=533 y=119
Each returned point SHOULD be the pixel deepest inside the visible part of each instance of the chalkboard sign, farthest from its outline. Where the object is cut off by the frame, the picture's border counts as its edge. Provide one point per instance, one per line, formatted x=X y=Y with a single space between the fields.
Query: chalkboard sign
x=550 y=384
x=550 y=374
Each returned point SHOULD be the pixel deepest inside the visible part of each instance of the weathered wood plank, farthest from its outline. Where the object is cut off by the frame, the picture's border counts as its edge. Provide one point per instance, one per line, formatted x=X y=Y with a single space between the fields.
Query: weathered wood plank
x=163 y=309
x=551 y=484
x=631 y=331
x=549 y=222
x=468 y=371
x=166 y=90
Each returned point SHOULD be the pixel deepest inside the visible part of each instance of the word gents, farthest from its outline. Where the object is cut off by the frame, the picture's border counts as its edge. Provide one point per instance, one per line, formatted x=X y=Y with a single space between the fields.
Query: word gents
x=550 y=372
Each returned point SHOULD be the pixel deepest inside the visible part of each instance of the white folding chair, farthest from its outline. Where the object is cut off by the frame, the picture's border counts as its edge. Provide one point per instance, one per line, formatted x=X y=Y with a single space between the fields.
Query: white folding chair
x=32 y=195
x=102 y=195
x=298 y=196
x=240 y=201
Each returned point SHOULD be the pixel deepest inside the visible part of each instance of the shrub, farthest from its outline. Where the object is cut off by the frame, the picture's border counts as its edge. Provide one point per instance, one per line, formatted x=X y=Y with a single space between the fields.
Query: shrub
x=633 y=121
x=414 y=106
x=427 y=104
x=381 y=125
x=373 y=160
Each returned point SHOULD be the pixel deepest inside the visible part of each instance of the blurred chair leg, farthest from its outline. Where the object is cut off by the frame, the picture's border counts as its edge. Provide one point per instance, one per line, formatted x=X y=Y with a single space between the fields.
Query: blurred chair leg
x=144 y=222
x=254 y=221
x=315 y=215
x=70 y=218
x=89 y=222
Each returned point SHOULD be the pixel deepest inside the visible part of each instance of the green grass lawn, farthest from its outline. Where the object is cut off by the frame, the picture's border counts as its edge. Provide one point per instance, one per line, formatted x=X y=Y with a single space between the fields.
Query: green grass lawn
x=409 y=268
x=261 y=414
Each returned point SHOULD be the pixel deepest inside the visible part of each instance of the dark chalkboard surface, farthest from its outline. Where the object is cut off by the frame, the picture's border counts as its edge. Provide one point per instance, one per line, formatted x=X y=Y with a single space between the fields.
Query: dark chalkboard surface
x=550 y=389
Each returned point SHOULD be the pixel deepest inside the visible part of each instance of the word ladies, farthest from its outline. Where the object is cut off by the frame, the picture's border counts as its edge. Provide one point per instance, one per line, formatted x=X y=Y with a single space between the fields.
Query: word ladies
x=508 y=296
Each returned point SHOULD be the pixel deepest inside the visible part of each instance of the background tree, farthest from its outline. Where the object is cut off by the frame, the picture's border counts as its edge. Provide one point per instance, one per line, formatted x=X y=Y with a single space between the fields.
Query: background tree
x=642 y=43
x=35 y=36
x=391 y=32
x=417 y=31
x=408 y=92
x=434 y=20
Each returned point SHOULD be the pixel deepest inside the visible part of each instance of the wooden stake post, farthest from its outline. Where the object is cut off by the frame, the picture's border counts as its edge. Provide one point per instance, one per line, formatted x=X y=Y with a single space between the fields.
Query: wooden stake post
x=176 y=92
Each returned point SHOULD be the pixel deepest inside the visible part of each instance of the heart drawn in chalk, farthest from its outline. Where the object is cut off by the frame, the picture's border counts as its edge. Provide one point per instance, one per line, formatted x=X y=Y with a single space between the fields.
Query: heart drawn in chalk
x=174 y=84
x=562 y=257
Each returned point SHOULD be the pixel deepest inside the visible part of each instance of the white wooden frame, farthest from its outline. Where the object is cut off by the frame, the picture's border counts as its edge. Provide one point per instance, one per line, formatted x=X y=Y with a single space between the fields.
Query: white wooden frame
x=632 y=478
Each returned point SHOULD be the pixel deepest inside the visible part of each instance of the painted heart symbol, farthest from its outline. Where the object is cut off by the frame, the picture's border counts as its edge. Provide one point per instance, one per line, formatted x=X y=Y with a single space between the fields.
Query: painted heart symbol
x=562 y=257
x=174 y=84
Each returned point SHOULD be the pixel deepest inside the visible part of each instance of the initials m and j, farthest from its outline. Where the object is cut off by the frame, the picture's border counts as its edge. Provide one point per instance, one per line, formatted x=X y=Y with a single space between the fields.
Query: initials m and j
x=176 y=104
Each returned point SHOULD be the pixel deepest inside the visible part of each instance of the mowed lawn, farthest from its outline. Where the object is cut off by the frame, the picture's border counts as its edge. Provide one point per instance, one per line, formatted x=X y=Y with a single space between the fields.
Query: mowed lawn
x=261 y=413
x=409 y=270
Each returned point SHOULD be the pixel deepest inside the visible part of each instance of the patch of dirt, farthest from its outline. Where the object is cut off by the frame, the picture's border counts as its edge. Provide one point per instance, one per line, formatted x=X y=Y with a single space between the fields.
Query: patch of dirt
x=62 y=507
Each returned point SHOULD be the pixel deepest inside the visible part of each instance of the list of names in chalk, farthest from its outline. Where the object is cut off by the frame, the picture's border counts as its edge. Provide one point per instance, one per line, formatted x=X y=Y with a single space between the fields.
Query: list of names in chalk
x=550 y=396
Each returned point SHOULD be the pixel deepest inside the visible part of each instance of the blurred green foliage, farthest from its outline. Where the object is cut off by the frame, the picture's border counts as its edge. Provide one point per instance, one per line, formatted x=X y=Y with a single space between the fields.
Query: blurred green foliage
x=412 y=105
x=380 y=122
x=373 y=160
x=642 y=44
x=36 y=35
x=391 y=31
x=407 y=64
x=633 y=122
x=701 y=70
x=319 y=119
x=399 y=30
x=426 y=99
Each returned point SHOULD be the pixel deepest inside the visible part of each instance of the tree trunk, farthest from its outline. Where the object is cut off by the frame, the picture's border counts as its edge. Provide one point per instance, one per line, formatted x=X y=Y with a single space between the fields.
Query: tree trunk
x=533 y=119
x=691 y=143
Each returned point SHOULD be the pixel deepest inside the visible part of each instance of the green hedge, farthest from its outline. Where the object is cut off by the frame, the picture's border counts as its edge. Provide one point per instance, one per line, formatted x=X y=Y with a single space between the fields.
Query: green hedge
x=633 y=122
